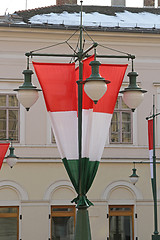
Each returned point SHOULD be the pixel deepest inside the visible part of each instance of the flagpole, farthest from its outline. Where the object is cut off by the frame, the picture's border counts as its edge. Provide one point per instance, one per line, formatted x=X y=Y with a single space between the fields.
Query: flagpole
x=154 y=176
x=156 y=235
x=82 y=228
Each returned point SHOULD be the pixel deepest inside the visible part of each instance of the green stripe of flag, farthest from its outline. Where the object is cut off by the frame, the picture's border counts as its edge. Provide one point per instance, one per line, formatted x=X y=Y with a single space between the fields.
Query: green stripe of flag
x=88 y=173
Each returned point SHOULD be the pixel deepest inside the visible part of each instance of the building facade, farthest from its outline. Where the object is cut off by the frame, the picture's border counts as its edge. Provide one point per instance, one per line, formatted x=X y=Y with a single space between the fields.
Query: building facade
x=36 y=194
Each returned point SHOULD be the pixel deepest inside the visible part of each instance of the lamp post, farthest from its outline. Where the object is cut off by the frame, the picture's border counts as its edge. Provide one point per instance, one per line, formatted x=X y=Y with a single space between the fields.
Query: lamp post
x=95 y=87
x=134 y=177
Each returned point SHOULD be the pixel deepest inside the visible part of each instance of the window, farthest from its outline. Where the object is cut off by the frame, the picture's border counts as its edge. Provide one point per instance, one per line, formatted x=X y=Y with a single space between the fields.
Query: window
x=121 y=224
x=121 y=124
x=118 y=3
x=9 y=223
x=62 y=222
x=9 y=117
x=149 y=3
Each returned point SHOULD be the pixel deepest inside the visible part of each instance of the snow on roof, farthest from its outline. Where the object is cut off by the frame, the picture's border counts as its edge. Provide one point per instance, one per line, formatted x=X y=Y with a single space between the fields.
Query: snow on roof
x=95 y=19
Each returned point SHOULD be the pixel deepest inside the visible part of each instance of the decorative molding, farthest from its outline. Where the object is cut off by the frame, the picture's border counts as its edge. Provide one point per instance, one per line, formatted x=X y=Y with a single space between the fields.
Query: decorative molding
x=23 y=195
x=57 y=185
x=130 y=187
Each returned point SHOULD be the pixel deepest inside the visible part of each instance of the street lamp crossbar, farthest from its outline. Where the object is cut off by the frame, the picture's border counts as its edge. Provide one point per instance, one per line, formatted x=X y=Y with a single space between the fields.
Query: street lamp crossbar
x=30 y=54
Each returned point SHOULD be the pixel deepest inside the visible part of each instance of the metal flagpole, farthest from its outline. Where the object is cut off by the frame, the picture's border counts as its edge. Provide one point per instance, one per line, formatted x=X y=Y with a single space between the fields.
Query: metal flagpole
x=156 y=235
x=82 y=228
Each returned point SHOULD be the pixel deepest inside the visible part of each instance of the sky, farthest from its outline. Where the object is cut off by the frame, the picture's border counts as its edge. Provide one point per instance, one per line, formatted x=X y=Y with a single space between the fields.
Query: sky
x=10 y=6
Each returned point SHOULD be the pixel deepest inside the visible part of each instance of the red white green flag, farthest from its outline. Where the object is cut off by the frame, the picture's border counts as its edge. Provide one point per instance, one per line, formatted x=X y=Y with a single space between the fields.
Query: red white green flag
x=58 y=83
x=3 y=150
x=150 y=143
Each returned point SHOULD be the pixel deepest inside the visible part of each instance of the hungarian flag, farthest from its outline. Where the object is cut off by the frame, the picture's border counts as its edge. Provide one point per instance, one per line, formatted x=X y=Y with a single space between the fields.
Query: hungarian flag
x=3 y=150
x=150 y=143
x=58 y=83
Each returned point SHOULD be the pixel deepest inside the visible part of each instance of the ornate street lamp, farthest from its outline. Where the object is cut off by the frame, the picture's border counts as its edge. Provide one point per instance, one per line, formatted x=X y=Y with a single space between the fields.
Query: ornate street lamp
x=134 y=177
x=133 y=95
x=27 y=94
x=95 y=87
x=11 y=159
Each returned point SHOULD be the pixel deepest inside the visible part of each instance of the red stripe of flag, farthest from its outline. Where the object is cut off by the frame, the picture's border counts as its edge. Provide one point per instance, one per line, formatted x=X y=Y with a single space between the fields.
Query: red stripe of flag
x=114 y=73
x=3 y=150
x=58 y=83
x=150 y=134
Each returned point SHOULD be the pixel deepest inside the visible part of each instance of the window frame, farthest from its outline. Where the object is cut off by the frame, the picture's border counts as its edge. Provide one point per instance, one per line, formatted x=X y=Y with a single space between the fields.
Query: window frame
x=7 y=108
x=11 y=215
x=123 y=213
x=121 y=110
x=63 y=213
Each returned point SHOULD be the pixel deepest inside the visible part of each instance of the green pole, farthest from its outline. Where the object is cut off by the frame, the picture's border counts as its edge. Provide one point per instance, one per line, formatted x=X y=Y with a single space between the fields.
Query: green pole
x=156 y=236
x=82 y=228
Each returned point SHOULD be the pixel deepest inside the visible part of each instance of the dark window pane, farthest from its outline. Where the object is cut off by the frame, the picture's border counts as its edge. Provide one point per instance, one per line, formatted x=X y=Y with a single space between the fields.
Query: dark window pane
x=126 y=137
x=2 y=125
x=13 y=114
x=3 y=134
x=13 y=102
x=2 y=100
x=62 y=228
x=13 y=124
x=126 y=117
x=149 y=3
x=8 y=228
x=8 y=210
x=13 y=135
x=115 y=127
x=115 y=138
x=120 y=209
x=116 y=116
x=62 y=209
x=126 y=127
x=120 y=228
x=3 y=114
